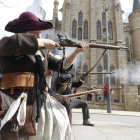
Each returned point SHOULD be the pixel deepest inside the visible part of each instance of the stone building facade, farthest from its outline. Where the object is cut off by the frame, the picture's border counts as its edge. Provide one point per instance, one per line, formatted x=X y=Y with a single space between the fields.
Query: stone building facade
x=86 y=21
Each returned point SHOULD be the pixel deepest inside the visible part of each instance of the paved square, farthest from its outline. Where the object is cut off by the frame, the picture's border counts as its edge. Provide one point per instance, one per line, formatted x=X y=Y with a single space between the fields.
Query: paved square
x=107 y=127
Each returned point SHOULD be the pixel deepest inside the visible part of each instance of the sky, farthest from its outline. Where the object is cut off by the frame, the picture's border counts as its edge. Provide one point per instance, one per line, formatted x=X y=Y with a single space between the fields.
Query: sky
x=16 y=7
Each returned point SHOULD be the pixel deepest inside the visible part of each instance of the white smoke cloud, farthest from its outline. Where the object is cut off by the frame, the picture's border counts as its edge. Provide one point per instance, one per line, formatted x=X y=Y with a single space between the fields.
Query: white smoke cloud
x=130 y=74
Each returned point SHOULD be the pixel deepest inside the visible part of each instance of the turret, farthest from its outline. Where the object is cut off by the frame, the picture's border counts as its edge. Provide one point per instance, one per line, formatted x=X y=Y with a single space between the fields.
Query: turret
x=136 y=5
x=134 y=19
x=55 y=13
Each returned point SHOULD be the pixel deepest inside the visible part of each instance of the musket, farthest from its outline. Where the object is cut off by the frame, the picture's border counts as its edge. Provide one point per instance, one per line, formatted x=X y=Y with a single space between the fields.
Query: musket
x=95 y=73
x=69 y=43
x=81 y=93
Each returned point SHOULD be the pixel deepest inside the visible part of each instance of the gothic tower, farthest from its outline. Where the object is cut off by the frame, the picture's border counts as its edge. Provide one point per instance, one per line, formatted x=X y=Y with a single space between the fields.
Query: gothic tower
x=36 y=8
x=134 y=19
x=55 y=13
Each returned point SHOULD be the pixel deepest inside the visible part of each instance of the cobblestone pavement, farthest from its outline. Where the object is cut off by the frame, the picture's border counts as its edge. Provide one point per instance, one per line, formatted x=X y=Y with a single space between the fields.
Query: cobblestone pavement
x=107 y=127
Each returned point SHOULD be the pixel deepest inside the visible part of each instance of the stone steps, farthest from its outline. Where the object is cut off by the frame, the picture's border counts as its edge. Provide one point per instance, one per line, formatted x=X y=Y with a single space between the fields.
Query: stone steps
x=102 y=105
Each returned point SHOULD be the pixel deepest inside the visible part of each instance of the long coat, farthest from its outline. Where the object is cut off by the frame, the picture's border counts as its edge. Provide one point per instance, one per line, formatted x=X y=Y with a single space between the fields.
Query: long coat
x=17 y=55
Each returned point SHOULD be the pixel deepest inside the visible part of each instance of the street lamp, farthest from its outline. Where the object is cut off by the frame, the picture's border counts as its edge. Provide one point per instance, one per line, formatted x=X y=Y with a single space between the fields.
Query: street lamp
x=107 y=7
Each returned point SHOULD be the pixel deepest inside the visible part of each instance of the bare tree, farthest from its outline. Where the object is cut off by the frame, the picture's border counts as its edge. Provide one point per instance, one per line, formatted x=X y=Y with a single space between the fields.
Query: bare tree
x=5 y=5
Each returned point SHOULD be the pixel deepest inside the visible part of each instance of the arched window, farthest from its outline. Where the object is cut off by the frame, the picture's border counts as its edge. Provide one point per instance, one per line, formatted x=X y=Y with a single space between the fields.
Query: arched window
x=131 y=48
x=80 y=33
x=105 y=62
x=79 y=61
x=127 y=42
x=128 y=55
x=112 y=76
x=98 y=29
x=85 y=29
x=128 y=51
x=104 y=32
x=74 y=26
x=131 y=52
x=85 y=69
x=129 y=76
x=104 y=18
x=99 y=76
x=110 y=30
x=105 y=79
x=80 y=18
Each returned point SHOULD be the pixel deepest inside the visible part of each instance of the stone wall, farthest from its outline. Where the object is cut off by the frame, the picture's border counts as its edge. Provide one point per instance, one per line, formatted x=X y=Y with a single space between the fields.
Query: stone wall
x=92 y=12
x=130 y=97
x=114 y=106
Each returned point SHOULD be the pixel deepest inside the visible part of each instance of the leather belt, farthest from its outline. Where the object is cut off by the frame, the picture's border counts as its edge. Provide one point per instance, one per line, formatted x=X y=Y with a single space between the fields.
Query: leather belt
x=18 y=80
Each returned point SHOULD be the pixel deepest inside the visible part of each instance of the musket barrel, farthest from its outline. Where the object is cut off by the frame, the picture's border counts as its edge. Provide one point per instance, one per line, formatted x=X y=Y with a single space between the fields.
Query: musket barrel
x=103 y=46
x=81 y=93
x=93 y=45
x=95 y=73
x=100 y=73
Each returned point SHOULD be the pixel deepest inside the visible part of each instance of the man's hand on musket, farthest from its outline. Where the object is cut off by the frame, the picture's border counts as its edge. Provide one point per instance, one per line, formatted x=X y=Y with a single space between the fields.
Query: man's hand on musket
x=82 y=47
x=47 y=43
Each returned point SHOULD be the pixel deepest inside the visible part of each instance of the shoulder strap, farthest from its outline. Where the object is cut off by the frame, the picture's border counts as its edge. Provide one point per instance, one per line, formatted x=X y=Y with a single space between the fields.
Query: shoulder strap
x=62 y=88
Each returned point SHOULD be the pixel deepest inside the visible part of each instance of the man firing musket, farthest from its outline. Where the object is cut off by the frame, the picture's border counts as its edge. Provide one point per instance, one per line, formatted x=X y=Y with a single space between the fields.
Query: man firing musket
x=66 y=90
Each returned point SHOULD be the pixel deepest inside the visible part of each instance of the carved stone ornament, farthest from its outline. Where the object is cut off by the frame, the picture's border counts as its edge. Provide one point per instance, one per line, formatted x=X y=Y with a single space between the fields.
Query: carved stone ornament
x=117 y=6
x=68 y=5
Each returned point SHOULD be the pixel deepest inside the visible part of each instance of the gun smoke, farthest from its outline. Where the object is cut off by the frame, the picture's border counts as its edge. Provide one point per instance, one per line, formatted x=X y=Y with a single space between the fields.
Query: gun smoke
x=129 y=75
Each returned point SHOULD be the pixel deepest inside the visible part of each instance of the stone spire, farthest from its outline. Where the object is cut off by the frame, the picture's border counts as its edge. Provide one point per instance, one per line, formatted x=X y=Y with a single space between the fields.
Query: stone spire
x=36 y=8
x=136 y=5
x=38 y=3
x=55 y=13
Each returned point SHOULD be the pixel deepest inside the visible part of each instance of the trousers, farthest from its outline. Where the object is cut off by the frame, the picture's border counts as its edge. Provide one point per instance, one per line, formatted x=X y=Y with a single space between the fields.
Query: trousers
x=76 y=103
x=89 y=97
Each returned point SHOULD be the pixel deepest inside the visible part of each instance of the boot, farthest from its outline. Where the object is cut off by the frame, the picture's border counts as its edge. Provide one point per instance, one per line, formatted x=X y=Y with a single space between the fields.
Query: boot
x=86 y=122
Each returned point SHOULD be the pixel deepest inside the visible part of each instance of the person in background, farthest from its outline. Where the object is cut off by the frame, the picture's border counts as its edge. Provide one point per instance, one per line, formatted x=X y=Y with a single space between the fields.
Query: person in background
x=76 y=91
x=106 y=92
x=66 y=90
x=89 y=96
x=97 y=98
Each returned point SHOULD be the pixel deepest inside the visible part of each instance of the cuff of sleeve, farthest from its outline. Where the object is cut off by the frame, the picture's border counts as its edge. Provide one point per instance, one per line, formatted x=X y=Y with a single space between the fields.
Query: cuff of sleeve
x=82 y=80
x=66 y=64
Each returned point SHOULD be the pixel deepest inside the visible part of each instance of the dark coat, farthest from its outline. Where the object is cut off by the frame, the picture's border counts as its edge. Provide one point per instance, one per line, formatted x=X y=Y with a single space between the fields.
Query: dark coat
x=63 y=79
x=17 y=55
